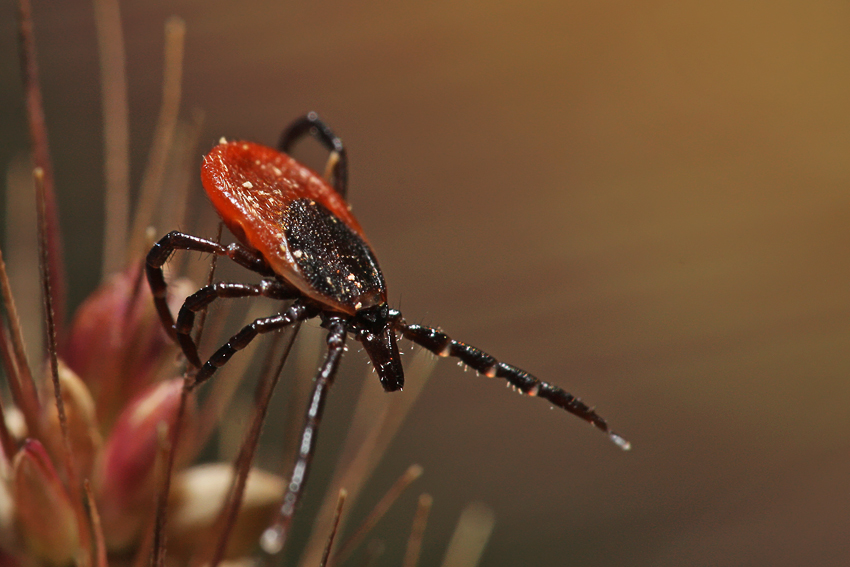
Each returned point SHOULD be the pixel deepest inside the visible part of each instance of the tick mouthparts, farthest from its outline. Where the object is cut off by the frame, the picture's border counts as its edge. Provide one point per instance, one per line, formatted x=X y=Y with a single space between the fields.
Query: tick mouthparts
x=383 y=352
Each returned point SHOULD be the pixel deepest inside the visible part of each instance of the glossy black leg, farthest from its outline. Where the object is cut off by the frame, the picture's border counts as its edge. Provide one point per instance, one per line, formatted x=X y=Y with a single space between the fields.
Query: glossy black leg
x=275 y=536
x=311 y=124
x=273 y=289
x=162 y=251
x=521 y=381
x=296 y=312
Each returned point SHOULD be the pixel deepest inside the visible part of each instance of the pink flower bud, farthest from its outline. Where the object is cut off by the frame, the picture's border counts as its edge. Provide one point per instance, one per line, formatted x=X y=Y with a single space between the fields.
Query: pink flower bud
x=126 y=476
x=117 y=343
x=45 y=515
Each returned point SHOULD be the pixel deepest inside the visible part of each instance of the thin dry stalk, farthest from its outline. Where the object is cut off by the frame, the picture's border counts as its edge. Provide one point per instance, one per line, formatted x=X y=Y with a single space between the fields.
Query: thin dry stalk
x=41 y=156
x=417 y=532
x=21 y=249
x=116 y=137
x=97 y=529
x=184 y=171
x=175 y=32
x=20 y=377
x=242 y=466
x=10 y=448
x=10 y=367
x=47 y=296
x=202 y=316
x=470 y=536
x=374 y=550
x=167 y=451
x=143 y=550
x=205 y=222
x=53 y=360
x=337 y=514
x=412 y=473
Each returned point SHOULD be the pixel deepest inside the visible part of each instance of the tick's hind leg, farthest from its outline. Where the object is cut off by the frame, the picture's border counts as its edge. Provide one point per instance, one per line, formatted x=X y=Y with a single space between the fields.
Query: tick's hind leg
x=296 y=312
x=311 y=124
x=523 y=382
x=273 y=289
x=275 y=536
x=162 y=250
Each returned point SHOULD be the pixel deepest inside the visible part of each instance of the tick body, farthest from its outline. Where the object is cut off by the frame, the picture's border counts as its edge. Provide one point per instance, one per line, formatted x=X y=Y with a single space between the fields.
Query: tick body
x=300 y=225
x=295 y=228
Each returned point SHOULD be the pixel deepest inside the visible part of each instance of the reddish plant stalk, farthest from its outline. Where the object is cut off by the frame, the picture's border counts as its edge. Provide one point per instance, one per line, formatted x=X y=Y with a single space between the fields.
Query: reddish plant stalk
x=41 y=156
x=53 y=360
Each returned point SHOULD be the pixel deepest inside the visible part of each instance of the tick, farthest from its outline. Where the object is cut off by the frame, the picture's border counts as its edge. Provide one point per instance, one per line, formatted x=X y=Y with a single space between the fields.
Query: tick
x=296 y=230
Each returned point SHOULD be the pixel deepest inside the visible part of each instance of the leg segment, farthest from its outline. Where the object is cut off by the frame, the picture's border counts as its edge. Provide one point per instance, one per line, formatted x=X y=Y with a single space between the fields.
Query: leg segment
x=521 y=381
x=162 y=250
x=276 y=535
x=311 y=124
x=296 y=312
x=273 y=289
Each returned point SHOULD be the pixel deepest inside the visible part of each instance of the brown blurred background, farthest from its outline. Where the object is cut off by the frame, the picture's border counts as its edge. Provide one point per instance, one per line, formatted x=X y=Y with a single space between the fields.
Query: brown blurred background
x=647 y=205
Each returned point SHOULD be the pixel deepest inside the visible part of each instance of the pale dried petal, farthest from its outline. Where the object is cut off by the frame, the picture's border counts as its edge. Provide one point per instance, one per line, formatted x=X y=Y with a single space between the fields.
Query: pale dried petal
x=196 y=501
x=43 y=509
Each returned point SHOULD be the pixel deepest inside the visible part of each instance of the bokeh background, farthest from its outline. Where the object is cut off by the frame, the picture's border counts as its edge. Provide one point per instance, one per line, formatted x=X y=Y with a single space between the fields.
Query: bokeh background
x=645 y=203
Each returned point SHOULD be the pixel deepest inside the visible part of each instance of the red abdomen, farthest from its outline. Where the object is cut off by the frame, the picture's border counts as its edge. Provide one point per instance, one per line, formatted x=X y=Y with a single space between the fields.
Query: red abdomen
x=297 y=221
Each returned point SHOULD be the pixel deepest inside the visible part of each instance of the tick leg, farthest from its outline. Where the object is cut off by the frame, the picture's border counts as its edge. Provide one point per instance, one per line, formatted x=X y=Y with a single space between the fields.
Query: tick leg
x=162 y=250
x=273 y=289
x=296 y=312
x=275 y=535
x=314 y=126
x=523 y=382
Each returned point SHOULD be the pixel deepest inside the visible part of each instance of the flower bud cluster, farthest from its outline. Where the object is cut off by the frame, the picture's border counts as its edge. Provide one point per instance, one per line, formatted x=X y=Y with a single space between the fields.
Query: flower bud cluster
x=122 y=400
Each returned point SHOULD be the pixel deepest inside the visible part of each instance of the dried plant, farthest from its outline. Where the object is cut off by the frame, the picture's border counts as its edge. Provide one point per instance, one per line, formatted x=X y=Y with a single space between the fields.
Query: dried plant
x=101 y=436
